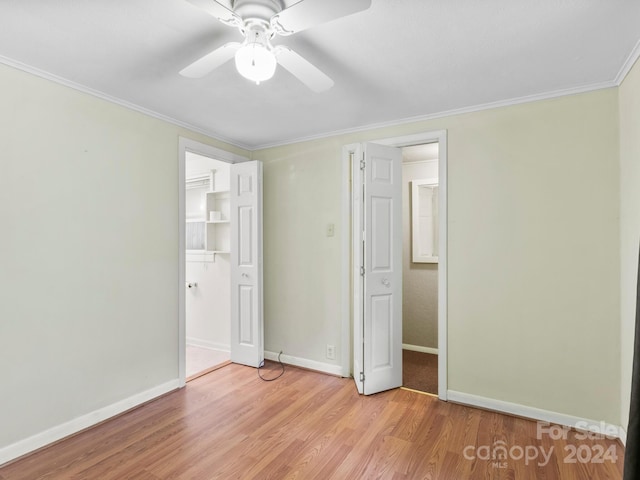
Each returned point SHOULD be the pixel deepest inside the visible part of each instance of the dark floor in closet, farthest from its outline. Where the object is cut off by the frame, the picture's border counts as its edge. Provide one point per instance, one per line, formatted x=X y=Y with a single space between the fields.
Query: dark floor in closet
x=420 y=371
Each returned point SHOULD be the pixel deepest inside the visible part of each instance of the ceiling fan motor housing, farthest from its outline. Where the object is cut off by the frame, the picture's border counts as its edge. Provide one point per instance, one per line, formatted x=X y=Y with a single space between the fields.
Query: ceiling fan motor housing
x=257 y=11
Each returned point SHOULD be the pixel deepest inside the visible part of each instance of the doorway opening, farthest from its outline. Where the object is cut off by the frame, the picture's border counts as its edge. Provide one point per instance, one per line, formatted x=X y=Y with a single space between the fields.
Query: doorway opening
x=373 y=245
x=207 y=268
x=420 y=267
x=220 y=232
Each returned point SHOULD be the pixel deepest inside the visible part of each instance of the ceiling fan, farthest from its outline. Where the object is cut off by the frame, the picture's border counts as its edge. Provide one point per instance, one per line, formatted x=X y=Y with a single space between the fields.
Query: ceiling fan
x=259 y=21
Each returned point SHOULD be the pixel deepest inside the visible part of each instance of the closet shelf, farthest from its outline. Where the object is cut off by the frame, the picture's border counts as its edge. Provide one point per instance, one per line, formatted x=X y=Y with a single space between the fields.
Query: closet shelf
x=217 y=221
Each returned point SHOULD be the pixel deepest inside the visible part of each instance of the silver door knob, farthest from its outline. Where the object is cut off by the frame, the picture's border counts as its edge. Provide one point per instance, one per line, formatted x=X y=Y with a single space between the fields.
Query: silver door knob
x=386 y=282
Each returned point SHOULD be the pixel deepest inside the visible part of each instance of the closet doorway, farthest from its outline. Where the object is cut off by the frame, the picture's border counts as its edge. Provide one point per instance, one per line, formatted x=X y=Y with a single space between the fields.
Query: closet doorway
x=374 y=245
x=420 y=191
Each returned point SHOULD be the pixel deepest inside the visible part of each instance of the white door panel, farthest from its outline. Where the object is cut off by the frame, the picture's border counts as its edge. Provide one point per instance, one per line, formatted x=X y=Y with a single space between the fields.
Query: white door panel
x=382 y=299
x=247 y=344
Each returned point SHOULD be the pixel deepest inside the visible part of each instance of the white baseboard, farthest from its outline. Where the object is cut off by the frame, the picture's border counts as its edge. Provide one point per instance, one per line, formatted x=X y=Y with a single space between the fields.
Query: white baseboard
x=306 y=363
x=418 y=348
x=623 y=436
x=42 y=439
x=197 y=342
x=537 y=414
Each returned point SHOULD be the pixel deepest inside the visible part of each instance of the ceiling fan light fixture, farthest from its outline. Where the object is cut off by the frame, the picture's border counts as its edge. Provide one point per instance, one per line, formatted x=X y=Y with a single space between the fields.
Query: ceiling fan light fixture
x=255 y=61
x=259 y=21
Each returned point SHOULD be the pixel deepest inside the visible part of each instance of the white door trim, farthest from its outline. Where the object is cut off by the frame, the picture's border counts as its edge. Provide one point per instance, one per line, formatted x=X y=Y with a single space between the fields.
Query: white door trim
x=346 y=352
x=439 y=136
x=187 y=145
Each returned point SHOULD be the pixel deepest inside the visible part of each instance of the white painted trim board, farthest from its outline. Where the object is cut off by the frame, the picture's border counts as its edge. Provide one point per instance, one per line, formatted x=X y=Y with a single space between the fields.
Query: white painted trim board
x=345 y=297
x=117 y=101
x=622 y=73
x=628 y=64
x=623 y=436
x=445 y=113
x=419 y=348
x=322 y=367
x=59 y=432
x=533 y=413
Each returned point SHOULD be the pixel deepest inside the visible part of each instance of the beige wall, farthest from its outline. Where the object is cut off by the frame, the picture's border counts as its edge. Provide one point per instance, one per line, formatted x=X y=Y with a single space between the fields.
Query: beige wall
x=533 y=251
x=629 y=96
x=89 y=276
x=533 y=292
x=419 y=280
x=301 y=264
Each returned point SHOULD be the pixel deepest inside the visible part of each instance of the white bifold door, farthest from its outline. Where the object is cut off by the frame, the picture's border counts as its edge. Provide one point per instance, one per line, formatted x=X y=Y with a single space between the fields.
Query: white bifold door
x=377 y=240
x=247 y=338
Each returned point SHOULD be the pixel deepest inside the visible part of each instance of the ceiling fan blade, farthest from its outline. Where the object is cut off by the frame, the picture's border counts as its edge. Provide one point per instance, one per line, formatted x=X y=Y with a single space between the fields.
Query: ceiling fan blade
x=218 y=10
x=211 y=61
x=308 y=13
x=307 y=73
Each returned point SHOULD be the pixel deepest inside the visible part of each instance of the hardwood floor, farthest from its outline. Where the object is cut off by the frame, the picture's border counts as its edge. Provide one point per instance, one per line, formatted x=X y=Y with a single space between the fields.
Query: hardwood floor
x=229 y=424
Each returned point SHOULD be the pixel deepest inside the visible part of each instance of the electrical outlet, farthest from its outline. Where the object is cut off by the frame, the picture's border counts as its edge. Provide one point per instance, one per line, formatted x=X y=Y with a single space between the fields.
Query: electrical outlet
x=331 y=352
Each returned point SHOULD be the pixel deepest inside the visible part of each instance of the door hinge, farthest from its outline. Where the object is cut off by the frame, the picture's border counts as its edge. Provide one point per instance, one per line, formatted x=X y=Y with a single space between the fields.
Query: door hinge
x=362 y=271
x=362 y=164
x=362 y=376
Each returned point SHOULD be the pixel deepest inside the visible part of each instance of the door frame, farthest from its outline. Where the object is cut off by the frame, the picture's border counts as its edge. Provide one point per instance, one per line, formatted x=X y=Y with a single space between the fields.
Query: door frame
x=439 y=136
x=187 y=145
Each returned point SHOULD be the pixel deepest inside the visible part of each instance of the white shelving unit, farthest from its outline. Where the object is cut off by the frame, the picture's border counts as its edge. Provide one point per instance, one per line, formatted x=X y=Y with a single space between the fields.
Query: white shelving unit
x=217 y=231
x=208 y=228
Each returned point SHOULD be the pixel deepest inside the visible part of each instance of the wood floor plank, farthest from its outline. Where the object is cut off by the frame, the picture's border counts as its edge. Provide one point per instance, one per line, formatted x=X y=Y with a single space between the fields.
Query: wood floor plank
x=229 y=424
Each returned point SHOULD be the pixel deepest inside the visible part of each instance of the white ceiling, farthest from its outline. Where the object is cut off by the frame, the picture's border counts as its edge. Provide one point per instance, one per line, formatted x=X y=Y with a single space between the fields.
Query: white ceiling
x=398 y=60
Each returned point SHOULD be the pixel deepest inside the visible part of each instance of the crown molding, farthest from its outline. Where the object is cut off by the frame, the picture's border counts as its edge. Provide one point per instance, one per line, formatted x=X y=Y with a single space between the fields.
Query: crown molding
x=631 y=59
x=118 y=101
x=628 y=64
x=446 y=113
